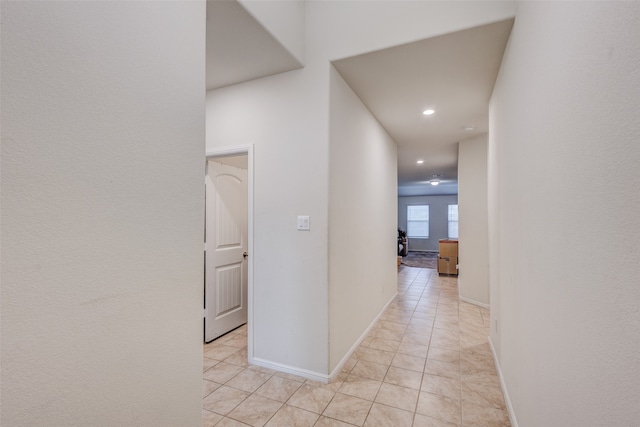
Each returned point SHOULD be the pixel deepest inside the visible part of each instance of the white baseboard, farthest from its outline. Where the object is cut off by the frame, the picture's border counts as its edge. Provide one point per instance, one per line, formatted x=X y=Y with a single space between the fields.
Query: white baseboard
x=503 y=385
x=316 y=376
x=353 y=348
x=471 y=301
x=310 y=375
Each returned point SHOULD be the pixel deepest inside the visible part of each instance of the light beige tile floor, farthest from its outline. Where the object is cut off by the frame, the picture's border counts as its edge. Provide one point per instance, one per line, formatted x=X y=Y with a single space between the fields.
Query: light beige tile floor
x=426 y=362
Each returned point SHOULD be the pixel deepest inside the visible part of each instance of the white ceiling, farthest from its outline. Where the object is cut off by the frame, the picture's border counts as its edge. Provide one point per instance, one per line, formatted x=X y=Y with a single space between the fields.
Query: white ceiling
x=239 y=48
x=453 y=74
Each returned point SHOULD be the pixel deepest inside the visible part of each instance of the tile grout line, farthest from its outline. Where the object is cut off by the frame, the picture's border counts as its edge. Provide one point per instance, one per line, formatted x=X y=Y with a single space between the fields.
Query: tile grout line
x=422 y=299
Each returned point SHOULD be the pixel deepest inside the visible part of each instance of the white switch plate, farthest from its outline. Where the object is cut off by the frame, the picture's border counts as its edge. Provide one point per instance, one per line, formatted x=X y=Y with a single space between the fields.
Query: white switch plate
x=303 y=222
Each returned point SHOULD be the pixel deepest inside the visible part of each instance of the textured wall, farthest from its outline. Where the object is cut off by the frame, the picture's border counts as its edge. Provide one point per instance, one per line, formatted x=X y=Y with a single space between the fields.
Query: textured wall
x=291 y=178
x=565 y=198
x=473 y=278
x=363 y=189
x=102 y=213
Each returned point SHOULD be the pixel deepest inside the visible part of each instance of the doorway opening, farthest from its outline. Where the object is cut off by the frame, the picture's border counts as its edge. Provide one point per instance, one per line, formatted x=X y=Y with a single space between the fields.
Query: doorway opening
x=228 y=283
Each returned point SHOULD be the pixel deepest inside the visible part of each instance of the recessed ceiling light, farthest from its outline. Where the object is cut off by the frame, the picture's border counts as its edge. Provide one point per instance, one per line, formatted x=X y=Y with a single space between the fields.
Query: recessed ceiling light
x=434 y=182
x=428 y=112
x=420 y=162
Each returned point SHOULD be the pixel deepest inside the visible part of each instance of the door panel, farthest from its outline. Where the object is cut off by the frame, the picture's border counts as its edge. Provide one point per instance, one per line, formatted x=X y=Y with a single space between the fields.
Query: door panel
x=229 y=293
x=226 y=238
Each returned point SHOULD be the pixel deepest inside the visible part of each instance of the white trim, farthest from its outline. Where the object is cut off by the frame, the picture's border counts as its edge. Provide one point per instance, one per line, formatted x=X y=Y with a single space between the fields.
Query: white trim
x=248 y=150
x=503 y=385
x=304 y=373
x=472 y=301
x=336 y=371
x=316 y=376
x=229 y=151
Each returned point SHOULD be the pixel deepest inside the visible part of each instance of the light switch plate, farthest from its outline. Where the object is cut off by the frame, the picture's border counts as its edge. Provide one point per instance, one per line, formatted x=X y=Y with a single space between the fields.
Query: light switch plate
x=303 y=222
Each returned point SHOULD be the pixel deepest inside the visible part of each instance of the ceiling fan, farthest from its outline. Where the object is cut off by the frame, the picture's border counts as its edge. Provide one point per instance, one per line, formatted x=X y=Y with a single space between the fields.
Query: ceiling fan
x=436 y=179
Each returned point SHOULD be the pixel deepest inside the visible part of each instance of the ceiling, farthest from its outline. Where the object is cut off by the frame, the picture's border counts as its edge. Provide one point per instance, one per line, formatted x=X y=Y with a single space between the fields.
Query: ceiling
x=239 y=48
x=453 y=74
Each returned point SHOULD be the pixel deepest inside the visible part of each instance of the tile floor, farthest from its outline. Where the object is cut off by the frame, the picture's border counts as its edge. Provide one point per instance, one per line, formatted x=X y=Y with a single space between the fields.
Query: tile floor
x=426 y=362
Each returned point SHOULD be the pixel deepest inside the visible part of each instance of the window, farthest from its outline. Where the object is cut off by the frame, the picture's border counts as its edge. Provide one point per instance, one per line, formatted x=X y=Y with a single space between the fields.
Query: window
x=418 y=221
x=453 y=221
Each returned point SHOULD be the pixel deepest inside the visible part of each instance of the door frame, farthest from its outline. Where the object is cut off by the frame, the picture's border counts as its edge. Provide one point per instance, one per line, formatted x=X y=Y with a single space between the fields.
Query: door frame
x=233 y=151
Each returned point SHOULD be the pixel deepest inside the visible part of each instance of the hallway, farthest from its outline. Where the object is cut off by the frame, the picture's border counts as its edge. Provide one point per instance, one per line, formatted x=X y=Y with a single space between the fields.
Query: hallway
x=426 y=362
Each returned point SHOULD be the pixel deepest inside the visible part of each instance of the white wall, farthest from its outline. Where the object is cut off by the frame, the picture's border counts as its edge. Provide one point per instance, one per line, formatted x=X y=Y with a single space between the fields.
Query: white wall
x=564 y=174
x=340 y=29
x=102 y=213
x=282 y=116
x=363 y=189
x=473 y=247
x=284 y=19
x=286 y=117
x=438 y=219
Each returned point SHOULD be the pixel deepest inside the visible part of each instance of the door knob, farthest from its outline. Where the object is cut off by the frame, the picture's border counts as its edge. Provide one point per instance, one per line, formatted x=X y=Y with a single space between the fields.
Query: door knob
x=244 y=255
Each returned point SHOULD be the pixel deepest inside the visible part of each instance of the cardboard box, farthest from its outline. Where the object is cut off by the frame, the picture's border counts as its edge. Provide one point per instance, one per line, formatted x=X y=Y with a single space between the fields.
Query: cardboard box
x=448 y=265
x=448 y=248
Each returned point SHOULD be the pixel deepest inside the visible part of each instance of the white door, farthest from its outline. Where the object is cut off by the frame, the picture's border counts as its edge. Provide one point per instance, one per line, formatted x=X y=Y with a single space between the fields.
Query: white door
x=226 y=249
